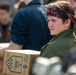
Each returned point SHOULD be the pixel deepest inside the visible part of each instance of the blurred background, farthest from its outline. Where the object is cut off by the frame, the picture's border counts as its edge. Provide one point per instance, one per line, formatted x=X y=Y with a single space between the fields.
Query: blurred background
x=14 y=3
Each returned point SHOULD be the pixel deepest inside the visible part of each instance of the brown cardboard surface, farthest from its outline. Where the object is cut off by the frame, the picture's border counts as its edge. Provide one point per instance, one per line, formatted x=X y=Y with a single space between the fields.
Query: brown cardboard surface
x=19 y=62
x=1 y=74
x=1 y=65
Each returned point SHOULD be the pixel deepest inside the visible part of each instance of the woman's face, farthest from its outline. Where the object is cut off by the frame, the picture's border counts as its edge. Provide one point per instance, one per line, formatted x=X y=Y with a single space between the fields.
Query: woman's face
x=55 y=25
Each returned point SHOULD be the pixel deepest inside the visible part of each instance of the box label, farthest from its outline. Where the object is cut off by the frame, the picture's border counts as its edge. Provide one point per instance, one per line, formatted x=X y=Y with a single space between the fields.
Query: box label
x=14 y=64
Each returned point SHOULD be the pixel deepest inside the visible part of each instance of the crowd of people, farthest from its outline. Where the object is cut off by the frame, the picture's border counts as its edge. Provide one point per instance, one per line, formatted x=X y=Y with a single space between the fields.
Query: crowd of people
x=48 y=28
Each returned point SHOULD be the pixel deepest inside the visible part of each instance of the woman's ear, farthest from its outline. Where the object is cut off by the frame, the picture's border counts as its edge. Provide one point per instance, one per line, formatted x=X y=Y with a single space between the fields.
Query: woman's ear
x=67 y=22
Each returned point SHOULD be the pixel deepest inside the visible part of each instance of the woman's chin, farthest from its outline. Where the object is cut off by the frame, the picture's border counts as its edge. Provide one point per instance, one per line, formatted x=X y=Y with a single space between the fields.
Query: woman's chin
x=52 y=33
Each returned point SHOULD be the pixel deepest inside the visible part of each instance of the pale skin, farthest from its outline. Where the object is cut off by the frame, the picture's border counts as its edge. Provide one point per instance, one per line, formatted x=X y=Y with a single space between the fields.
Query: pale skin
x=56 y=25
x=4 y=16
x=12 y=46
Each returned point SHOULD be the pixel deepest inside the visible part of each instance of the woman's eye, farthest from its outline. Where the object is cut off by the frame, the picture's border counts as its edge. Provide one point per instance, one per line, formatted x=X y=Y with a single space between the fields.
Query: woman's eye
x=53 y=20
x=48 y=20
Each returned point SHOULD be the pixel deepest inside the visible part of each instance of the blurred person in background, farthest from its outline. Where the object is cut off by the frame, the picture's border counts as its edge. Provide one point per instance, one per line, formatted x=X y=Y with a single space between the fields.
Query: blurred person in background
x=29 y=28
x=48 y=1
x=18 y=5
x=61 y=21
x=21 y=5
x=5 y=22
x=72 y=2
x=12 y=2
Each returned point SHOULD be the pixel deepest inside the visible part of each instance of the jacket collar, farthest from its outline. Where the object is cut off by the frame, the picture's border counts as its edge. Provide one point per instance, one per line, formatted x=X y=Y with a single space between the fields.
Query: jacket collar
x=65 y=33
x=34 y=2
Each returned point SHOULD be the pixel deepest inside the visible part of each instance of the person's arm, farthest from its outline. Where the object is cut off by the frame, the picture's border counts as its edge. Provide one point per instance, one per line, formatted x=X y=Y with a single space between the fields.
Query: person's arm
x=12 y=46
x=19 y=32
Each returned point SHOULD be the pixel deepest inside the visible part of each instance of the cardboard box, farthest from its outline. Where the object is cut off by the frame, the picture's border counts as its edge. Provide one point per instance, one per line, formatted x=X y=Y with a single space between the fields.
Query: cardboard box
x=1 y=74
x=19 y=62
x=1 y=63
x=2 y=45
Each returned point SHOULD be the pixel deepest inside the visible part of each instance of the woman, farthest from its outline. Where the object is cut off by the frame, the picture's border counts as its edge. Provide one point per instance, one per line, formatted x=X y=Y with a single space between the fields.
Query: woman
x=61 y=19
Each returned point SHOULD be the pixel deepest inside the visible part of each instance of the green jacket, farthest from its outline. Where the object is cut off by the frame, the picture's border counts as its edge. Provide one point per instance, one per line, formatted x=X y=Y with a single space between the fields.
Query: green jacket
x=59 y=45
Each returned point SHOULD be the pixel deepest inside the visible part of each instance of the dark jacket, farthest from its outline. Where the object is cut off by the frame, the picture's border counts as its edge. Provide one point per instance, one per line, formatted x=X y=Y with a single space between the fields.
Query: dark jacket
x=5 y=33
x=30 y=28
